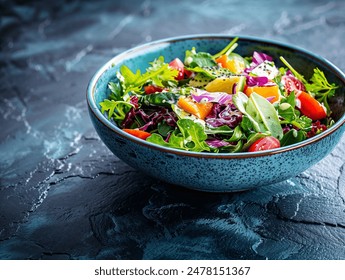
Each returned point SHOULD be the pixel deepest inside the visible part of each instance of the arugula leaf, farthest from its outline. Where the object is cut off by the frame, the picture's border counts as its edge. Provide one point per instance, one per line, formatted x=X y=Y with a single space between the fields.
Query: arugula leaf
x=164 y=99
x=287 y=112
x=159 y=74
x=247 y=125
x=116 y=109
x=116 y=91
x=224 y=129
x=230 y=148
x=194 y=135
x=237 y=135
x=290 y=115
x=164 y=129
x=129 y=80
x=190 y=136
x=293 y=136
x=291 y=99
x=175 y=140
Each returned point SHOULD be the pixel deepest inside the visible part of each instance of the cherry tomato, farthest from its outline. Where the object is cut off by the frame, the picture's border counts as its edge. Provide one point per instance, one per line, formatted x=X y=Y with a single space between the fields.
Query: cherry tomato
x=178 y=65
x=152 y=89
x=265 y=143
x=292 y=84
x=310 y=107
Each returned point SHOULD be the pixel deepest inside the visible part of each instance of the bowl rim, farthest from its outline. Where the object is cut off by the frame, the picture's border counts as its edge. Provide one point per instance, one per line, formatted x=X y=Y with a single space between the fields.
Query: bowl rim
x=241 y=155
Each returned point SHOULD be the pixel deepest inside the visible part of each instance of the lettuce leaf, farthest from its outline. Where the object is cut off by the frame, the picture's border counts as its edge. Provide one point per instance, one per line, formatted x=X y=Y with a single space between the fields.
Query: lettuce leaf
x=260 y=112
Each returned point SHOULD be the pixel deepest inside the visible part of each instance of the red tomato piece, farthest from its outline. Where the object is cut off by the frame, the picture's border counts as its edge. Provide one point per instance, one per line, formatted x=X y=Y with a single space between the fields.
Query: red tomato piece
x=152 y=89
x=291 y=83
x=310 y=107
x=137 y=133
x=178 y=65
x=265 y=143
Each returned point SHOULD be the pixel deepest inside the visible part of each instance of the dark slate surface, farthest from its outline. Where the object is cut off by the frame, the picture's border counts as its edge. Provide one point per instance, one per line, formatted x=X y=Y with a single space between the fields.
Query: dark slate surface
x=63 y=195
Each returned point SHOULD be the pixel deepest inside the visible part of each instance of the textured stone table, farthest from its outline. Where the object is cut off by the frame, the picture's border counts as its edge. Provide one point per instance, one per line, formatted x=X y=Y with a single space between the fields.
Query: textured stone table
x=63 y=195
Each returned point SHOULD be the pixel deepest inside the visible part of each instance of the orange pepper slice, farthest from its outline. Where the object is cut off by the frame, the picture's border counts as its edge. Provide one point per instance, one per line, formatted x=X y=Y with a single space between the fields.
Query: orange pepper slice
x=267 y=92
x=201 y=110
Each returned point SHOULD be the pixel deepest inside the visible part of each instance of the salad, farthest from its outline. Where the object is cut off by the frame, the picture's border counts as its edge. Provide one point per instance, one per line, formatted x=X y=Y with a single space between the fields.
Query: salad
x=221 y=102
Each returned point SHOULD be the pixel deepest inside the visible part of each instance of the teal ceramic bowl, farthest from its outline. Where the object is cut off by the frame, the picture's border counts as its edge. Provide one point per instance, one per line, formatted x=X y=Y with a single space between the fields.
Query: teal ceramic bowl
x=209 y=171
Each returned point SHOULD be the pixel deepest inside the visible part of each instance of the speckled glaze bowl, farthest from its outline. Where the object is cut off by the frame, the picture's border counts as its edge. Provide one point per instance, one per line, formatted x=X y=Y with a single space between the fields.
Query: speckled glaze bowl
x=209 y=171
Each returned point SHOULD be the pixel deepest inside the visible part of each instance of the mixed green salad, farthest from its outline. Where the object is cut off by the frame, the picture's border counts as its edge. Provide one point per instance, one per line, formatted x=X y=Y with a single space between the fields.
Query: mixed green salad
x=221 y=102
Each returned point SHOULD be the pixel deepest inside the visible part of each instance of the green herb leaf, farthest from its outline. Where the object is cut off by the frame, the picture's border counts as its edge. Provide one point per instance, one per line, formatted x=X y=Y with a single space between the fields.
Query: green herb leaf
x=294 y=72
x=116 y=109
x=164 y=129
x=237 y=135
x=318 y=85
x=116 y=91
x=198 y=59
x=322 y=89
x=190 y=137
x=231 y=148
x=164 y=99
x=292 y=136
x=290 y=115
x=224 y=129
x=159 y=73
x=194 y=135
x=228 y=49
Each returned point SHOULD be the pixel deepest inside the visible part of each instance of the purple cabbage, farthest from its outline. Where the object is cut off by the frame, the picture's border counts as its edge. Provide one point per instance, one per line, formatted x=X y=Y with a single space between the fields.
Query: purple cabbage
x=150 y=120
x=259 y=58
x=259 y=81
x=216 y=97
x=134 y=100
x=216 y=143
x=256 y=81
x=224 y=115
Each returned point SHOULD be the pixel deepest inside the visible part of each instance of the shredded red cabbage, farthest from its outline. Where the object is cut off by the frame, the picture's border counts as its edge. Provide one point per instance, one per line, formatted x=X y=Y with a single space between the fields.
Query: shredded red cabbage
x=216 y=97
x=149 y=120
x=216 y=143
x=224 y=115
x=259 y=58
x=134 y=100
x=256 y=81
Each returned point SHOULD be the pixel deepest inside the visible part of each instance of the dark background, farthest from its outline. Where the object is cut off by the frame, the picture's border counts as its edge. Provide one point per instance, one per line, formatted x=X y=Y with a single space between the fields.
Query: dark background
x=63 y=195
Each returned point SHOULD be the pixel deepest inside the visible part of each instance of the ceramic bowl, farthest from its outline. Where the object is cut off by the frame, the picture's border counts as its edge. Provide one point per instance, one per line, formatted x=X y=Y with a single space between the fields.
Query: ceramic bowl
x=213 y=172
